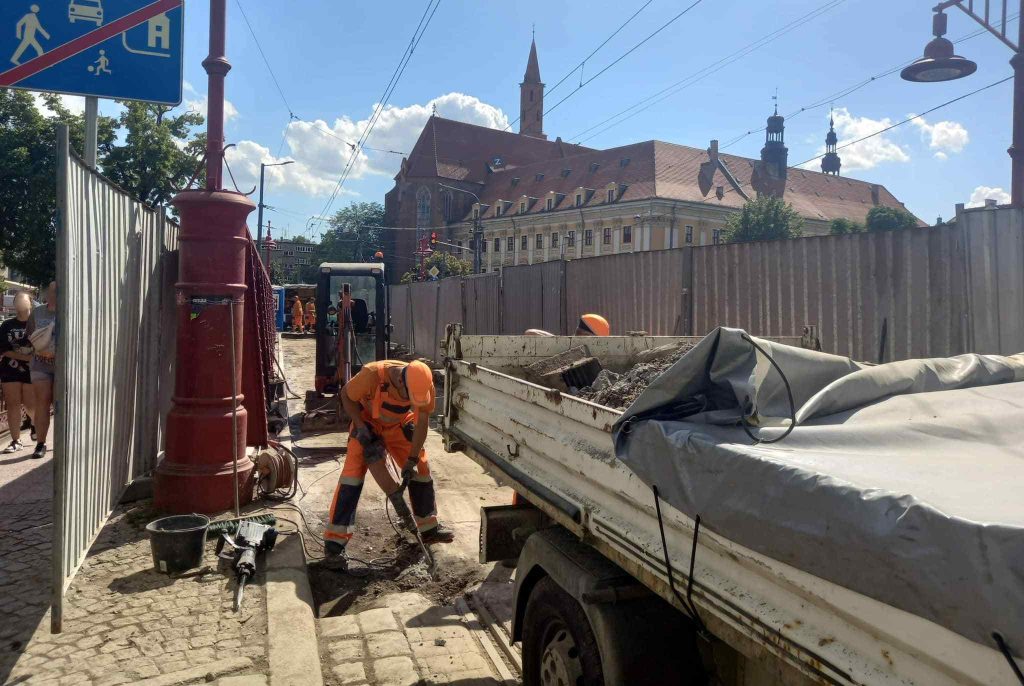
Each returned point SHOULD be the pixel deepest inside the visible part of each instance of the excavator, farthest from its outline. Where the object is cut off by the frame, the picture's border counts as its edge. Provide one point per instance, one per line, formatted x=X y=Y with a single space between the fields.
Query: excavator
x=353 y=329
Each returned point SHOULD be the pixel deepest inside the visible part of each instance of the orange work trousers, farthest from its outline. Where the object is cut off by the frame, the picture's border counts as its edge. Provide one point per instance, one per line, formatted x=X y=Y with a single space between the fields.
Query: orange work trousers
x=397 y=440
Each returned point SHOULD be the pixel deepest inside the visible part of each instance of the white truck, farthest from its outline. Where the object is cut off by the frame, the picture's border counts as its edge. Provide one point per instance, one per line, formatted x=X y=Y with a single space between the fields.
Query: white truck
x=614 y=587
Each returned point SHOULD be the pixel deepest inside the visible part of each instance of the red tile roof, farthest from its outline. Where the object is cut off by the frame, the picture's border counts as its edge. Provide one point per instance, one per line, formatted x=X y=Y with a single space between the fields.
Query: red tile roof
x=456 y=150
x=654 y=169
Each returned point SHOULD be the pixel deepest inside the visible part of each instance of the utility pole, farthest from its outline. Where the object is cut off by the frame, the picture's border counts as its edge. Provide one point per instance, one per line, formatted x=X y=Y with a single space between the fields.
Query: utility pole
x=259 y=215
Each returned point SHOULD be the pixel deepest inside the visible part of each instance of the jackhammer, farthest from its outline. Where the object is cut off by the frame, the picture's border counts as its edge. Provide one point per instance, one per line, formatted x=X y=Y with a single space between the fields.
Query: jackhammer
x=250 y=539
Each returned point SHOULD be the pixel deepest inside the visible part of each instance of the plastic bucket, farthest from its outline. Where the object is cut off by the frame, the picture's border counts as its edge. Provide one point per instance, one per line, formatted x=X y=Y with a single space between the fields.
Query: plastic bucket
x=178 y=542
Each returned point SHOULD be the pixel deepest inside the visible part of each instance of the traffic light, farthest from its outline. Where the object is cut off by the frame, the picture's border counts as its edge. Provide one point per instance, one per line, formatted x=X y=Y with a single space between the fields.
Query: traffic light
x=433 y=237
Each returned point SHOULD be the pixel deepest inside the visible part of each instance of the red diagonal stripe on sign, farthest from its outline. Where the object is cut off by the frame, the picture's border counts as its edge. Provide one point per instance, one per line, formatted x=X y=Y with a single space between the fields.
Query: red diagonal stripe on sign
x=95 y=37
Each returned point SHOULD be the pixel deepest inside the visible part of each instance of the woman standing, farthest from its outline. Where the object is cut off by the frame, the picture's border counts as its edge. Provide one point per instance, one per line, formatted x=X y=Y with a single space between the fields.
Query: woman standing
x=15 y=355
x=43 y=366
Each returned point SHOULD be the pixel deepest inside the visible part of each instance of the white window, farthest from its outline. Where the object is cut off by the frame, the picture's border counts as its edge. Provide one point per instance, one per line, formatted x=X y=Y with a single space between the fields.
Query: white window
x=554 y=240
x=588 y=237
x=627 y=234
x=510 y=244
x=550 y=203
x=522 y=208
x=524 y=244
x=570 y=239
x=540 y=241
x=579 y=199
x=607 y=238
x=716 y=236
x=689 y=234
x=497 y=245
x=611 y=195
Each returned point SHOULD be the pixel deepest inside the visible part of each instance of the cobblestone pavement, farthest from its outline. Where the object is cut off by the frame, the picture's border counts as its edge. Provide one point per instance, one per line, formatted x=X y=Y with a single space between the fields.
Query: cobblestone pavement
x=123 y=622
x=409 y=641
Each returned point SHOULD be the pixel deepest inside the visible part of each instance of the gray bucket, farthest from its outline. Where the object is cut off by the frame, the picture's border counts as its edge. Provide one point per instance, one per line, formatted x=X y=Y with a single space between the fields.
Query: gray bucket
x=178 y=542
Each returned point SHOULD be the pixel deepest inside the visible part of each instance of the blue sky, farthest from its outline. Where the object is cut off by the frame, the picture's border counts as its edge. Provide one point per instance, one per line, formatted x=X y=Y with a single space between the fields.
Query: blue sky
x=333 y=59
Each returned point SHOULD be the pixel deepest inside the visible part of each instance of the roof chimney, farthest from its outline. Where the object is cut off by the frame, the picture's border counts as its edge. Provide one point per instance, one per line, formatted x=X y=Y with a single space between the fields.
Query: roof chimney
x=991 y=203
x=875 y=190
x=713 y=150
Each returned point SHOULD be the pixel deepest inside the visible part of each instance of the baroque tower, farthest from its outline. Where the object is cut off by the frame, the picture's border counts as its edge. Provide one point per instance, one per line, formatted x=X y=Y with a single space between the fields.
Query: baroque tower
x=531 y=98
x=830 y=163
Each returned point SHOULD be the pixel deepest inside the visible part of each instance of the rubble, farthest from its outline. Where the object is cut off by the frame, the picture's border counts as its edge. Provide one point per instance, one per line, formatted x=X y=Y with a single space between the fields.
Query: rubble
x=619 y=391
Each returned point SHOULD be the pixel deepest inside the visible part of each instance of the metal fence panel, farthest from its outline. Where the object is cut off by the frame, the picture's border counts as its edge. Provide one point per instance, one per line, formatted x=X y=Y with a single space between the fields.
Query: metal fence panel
x=112 y=373
x=995 y=278
x=423 y=305
x=482 y=304
x=531 y=298
x=635 y=292
x=398 y=302
x=898 y=293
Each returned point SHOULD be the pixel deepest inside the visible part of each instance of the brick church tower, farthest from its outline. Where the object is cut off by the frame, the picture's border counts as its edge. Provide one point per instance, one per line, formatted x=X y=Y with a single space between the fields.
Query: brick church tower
x=531 y=98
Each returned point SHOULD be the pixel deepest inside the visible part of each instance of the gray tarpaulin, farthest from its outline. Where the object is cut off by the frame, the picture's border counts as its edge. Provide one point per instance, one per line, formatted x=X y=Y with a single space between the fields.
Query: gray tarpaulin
x=903 y=481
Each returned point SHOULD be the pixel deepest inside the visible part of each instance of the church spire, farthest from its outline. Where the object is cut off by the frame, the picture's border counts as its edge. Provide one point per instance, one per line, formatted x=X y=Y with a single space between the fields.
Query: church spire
x=774 y=154
x=531 y=98
x=830 y=163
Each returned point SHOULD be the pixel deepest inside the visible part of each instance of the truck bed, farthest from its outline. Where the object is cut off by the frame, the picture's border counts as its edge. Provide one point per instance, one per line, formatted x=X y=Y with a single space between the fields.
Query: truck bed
x=556 y=451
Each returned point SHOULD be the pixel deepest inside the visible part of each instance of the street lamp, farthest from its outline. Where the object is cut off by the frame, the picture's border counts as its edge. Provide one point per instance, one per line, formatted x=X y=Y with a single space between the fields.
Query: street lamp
x=259 y=216
x=477 y=228
x=940 y=64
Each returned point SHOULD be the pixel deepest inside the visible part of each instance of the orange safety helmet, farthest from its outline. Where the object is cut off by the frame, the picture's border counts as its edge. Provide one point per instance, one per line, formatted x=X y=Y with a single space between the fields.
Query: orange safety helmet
x=595 y=325
x=419 y=383
x=378 y=255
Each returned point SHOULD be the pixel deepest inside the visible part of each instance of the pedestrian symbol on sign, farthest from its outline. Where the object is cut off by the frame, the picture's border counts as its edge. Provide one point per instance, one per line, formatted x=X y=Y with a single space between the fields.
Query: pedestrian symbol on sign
x=25 y=31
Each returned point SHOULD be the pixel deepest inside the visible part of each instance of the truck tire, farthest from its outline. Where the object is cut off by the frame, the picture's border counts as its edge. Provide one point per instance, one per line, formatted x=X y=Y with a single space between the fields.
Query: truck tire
x=559 y=648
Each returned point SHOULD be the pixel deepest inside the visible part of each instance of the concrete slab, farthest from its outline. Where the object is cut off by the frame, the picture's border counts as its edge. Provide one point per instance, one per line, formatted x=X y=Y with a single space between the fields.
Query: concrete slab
x=294 y=652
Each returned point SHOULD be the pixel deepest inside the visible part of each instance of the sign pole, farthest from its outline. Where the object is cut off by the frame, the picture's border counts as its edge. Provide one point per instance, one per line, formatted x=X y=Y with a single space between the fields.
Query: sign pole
x=92 y=111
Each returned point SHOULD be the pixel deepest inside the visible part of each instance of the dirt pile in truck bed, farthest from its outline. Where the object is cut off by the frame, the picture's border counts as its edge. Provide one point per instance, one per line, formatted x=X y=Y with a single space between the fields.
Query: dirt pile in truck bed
x=618 y=391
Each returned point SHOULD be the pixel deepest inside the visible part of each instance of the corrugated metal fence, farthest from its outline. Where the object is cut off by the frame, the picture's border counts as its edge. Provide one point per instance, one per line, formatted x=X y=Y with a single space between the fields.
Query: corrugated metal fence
x=916 y=293
x=116 y=272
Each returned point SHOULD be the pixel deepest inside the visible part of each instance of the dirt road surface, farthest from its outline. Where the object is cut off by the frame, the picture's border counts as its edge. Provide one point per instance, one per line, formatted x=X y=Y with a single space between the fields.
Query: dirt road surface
x=386 y=621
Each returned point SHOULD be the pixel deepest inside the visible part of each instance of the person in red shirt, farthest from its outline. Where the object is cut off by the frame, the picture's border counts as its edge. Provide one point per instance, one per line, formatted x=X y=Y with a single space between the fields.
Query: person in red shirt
x=389 y=403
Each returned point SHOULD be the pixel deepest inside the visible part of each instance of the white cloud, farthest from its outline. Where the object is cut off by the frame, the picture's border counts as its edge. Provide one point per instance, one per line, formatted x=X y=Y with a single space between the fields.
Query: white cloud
x=983 y=193
x=323 y=150
x=245 y=158
x=867 y=154
x=74 y=103
x=198 y=103
x=943 y=136
x=941 y=156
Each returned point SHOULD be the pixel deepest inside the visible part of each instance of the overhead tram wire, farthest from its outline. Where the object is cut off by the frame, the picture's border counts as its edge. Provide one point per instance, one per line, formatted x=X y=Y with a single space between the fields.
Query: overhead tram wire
x=796 y=167
x=623 y=56
x=668 y=91
x=421 y=28
x=844 y=92
x=579 y=66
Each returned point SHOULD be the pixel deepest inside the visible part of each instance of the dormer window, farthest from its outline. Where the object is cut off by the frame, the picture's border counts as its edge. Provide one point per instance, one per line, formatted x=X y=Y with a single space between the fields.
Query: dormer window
x=476 y=211
x=522 y=207
x=594 y=166
x=539 y=177
x=579 y=200
x=566 y=172
x=624 y=161
x=515 y=180
x=499 y=208
x=549 y=204
x=611 y=195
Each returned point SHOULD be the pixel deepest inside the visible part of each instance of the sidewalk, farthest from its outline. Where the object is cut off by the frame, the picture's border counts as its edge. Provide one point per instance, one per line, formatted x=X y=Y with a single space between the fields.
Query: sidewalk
x=123 y=622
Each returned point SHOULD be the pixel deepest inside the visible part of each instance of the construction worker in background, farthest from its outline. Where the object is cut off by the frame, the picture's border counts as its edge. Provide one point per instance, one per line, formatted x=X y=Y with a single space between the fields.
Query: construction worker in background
x=297 y=315
x=378 y=255
x=589 y=325
x=311 y=315
x=390 y=403
x=593 y=325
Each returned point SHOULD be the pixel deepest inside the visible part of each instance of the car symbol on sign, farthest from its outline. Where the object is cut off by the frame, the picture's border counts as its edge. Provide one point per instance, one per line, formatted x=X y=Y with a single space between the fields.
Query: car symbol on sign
x=86 y=10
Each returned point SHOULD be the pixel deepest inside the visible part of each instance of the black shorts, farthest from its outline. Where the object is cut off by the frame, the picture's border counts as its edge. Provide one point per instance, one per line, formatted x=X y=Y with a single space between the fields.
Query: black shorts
x=13 y=375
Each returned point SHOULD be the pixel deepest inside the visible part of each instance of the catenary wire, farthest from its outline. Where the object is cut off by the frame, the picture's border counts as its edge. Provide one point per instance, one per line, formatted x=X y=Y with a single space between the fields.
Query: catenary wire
x=623 y=56
x=421 y=29
x=701 y=74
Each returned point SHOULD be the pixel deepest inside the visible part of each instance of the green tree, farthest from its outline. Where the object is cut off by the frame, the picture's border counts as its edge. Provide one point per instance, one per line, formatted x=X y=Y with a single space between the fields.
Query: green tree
x=276 y=275
x=446 y=263
x=764 y=218
x=351 y=237
x=889 y=219
x=28 y=187
x=161 y=153
x=843 y=226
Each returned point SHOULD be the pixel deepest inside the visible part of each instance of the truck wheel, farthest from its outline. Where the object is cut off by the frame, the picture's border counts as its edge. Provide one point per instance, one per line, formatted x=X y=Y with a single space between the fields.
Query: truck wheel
x=559 y=648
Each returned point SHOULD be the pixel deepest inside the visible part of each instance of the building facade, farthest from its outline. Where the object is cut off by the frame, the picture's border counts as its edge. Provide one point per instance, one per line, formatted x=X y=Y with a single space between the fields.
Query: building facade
x=291 y=257
x=537 y=200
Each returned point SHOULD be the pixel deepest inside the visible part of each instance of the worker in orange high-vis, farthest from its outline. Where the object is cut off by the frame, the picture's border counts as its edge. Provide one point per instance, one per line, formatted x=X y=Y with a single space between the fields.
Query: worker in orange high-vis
x=297 y=315
x=390 y=403
x=310 y=315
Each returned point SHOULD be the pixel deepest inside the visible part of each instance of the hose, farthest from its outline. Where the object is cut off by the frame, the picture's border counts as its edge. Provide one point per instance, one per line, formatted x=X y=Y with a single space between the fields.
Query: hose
x=789 y=393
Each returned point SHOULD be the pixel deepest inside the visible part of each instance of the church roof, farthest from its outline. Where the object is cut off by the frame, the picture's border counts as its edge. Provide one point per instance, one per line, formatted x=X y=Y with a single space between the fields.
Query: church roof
x=464 y=152
x=532 y=74
x=654 y=169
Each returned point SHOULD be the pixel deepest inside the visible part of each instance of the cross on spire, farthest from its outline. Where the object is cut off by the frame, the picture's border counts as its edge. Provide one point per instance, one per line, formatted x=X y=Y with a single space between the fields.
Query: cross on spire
x=775 y=99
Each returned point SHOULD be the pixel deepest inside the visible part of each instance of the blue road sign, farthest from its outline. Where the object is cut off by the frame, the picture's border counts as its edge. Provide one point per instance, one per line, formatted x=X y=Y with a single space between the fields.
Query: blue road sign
x=127 y=49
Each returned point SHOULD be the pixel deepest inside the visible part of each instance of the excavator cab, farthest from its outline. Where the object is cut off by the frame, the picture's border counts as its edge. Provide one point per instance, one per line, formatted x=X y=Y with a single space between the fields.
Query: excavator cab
x=352 y=328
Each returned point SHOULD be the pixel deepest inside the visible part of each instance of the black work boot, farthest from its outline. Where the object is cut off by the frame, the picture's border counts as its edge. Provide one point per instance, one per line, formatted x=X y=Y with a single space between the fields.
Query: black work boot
x=335 y=557
x=439 y=534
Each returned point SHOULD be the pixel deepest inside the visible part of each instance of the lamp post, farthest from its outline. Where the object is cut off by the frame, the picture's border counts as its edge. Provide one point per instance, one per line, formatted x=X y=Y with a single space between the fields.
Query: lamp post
x=259 y=215
x=478 y=231
x=940 y=64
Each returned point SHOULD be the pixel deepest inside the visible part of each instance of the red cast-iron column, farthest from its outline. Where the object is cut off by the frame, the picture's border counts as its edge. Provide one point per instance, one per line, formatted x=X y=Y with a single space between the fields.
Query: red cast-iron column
x=196 y=474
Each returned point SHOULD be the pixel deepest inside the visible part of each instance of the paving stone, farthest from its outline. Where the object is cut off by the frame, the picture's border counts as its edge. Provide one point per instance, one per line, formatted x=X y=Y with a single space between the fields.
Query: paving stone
x=342 y=651
x=349 y=673
x=455 y=646
x=387 y=644
x=339 y=627
x=373 y=621
x=243 y=680
x=395 y=671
